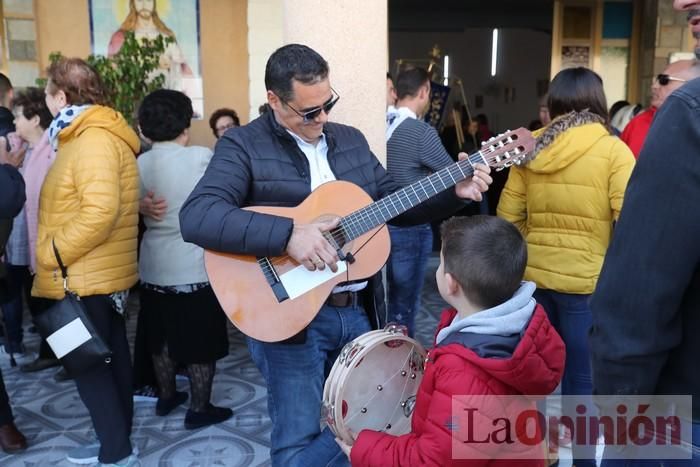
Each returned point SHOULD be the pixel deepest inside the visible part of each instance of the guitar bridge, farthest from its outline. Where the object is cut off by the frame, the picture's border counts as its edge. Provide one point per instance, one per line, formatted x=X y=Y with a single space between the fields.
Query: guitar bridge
x=273 y=279
x=330 y=237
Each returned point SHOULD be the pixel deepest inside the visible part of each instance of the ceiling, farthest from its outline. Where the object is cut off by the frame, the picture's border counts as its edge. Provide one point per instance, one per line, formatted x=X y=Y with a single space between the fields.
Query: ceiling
x=457 y=15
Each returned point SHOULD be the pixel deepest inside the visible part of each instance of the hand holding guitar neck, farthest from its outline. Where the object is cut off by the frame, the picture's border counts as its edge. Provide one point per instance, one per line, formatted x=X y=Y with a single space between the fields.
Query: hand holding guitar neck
x=308 y=245
x=473 y=187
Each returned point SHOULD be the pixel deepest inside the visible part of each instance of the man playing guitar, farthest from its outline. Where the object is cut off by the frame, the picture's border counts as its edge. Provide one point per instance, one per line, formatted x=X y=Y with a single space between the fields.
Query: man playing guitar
x=277 y=160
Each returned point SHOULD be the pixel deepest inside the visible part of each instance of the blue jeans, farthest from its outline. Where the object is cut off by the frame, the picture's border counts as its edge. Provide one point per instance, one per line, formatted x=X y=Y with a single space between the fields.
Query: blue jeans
x=410 y=249
x=694 y=462
x=295 y=374
x=571 y=317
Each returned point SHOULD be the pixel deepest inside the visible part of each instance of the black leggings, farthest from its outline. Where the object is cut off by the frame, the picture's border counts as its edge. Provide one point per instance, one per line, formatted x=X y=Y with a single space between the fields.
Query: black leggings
x=106 y=390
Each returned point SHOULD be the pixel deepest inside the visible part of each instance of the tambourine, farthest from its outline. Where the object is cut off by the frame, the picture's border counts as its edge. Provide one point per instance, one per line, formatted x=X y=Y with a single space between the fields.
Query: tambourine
x=373 y=384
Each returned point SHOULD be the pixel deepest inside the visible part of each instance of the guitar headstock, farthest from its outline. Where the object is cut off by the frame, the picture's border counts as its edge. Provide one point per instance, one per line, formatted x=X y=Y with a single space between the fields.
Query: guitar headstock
x=506 y=149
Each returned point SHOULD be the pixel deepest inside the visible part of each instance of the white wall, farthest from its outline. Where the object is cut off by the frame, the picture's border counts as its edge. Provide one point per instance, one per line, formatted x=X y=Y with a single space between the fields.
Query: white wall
x=524 y=58
x=357 y=63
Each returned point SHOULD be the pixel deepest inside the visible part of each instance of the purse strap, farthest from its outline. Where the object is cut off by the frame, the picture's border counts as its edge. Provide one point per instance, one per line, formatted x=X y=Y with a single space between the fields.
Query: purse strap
x=64 y=270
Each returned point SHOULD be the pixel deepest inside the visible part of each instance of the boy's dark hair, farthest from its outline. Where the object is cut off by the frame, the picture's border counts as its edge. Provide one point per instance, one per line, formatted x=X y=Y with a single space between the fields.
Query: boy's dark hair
x=33 y=103
x=409 y=82
x=577 y=89
x=164 y=114
x=223 y=112
x=293 y=62
x=486 y=255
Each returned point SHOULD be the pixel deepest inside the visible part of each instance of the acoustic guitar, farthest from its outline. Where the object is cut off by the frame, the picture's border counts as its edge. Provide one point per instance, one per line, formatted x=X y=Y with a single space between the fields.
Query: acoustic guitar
x=274 y=298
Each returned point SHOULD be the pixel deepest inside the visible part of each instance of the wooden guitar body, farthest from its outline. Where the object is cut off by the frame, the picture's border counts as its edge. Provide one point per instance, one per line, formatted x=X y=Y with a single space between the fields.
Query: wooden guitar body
x=242 y=287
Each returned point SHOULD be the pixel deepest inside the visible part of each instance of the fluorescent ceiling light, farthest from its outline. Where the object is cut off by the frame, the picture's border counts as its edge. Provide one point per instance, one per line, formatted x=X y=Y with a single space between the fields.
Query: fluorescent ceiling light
x=494 y=52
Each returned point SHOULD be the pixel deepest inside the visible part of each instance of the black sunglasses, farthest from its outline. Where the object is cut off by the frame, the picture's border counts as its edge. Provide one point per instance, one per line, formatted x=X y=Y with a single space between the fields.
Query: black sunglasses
x=664 y=79
x=311 y=115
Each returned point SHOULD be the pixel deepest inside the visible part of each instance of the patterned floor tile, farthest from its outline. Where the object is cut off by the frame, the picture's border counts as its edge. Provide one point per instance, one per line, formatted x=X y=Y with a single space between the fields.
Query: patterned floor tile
x=54 y=419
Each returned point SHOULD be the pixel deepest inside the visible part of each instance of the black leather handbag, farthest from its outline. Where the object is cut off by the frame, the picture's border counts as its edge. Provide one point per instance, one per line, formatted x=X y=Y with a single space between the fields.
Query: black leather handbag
x=69 y=332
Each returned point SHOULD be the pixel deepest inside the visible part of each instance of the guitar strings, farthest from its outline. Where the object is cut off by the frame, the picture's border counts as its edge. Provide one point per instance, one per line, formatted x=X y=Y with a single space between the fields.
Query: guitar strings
x=341 y=231
x=339 y=234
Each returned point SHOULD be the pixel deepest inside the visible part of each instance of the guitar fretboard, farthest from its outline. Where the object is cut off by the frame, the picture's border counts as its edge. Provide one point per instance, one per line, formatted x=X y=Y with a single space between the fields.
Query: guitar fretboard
x=378 y=213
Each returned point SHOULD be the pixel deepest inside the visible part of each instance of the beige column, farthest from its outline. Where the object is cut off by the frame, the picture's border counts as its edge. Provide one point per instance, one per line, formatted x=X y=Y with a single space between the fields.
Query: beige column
x=265 y=35
x=352 y=36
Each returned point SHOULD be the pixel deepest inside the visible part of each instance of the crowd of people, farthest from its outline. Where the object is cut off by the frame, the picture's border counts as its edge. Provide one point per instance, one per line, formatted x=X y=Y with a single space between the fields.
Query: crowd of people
x=83 y=187
x=587 y=277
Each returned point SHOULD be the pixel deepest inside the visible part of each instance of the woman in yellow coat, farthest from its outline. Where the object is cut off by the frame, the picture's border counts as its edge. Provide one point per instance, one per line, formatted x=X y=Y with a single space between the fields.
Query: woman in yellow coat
x=89 y=208
x=565 y=203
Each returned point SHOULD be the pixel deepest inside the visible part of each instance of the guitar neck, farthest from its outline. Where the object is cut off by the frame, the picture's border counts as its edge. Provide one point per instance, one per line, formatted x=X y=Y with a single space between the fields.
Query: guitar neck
x=380 y=212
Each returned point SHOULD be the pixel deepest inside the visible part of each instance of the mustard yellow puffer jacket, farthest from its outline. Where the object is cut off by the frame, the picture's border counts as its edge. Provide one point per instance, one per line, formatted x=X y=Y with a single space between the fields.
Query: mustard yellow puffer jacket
x=89 y=207
x=564 y=203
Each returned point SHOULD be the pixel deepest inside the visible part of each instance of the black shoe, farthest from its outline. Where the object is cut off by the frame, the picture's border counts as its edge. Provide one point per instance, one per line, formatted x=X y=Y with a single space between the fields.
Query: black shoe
x=210 y=416
x=39 y=364
x=165 y=406
x=61 y=376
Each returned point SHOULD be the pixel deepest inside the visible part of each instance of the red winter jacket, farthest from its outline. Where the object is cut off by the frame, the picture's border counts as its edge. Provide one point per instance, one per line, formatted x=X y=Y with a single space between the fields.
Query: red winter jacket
x=535 y=368
x=635 y=133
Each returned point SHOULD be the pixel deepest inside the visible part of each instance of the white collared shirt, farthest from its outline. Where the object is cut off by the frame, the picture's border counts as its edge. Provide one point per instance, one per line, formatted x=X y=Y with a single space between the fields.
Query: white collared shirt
x=317 y=155
x=320 y=171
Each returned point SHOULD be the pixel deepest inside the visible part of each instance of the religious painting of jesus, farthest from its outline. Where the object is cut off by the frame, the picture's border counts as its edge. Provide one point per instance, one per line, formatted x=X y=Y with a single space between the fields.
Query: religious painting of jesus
x=110 y=20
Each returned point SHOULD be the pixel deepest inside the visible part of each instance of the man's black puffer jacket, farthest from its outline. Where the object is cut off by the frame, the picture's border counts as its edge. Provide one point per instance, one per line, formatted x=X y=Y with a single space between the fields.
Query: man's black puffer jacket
x=260 y=164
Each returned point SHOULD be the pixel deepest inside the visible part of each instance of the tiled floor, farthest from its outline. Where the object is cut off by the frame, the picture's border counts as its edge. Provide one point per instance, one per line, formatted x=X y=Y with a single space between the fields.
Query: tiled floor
x=54 y=419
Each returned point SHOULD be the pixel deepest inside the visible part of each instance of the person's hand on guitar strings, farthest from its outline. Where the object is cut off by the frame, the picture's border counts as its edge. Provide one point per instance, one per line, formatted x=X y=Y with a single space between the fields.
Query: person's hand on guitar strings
x=472 y=188
x=308 y=245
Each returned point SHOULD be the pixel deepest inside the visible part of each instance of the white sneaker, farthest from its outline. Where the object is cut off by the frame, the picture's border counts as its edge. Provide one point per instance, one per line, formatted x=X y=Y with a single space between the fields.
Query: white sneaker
x=84 y=455
x=131 y=461
x=89 y=453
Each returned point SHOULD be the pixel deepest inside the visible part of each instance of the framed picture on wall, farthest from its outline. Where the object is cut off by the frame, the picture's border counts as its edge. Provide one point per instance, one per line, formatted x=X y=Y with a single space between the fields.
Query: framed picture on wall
x=179 y=19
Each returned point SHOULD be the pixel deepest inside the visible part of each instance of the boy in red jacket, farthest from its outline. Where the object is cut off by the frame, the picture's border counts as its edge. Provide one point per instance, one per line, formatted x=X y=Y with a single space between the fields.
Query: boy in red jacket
x=495 y=341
